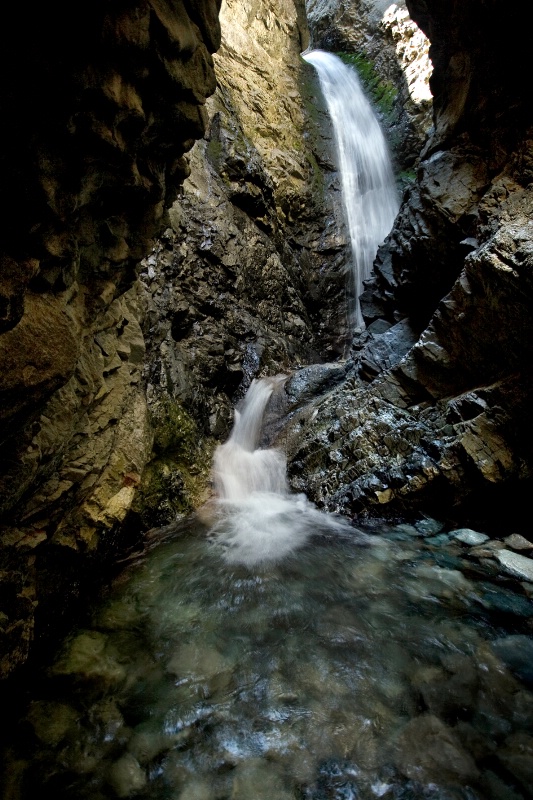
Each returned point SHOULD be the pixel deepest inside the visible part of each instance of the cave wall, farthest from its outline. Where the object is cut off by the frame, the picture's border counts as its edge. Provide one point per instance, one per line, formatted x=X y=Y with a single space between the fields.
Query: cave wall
x=100 y=104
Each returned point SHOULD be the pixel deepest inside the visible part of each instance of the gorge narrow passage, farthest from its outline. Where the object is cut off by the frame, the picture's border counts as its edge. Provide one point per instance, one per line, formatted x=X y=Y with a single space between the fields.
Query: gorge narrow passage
x=368 y=186
x=263 y=650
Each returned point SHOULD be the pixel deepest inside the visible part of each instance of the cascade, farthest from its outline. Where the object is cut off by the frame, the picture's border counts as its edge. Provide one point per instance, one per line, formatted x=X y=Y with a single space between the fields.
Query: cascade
x=256 y=518
x=367 y=181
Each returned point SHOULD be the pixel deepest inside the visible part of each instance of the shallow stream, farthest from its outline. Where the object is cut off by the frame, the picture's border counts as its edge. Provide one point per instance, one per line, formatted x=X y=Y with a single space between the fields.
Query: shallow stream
x=262 y=650
x=356 y=667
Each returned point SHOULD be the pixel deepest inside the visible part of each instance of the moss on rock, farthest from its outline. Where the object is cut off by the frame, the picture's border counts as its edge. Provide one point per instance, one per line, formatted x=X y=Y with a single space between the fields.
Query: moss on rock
x=177 y=479
x=382 y=92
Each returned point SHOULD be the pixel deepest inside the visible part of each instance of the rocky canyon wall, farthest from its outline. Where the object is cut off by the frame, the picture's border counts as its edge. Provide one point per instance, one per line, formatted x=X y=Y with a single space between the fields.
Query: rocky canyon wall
x=99 y=105
x=390 y=53
x=117 y=380
x=434 y=410
x=249 y=278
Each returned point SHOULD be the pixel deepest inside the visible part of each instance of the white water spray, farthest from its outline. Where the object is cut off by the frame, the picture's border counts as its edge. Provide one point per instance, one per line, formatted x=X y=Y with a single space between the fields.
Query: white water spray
x=240 y=467
x=367 y=180
x=258 y=519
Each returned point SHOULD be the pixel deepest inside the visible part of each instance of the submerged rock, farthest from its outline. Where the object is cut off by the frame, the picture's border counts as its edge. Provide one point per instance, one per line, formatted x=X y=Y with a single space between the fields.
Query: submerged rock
x=429 y=751
x=126 y=776
x=52 y=721
x=260 y=779
x=87 y=657
x=516 y=652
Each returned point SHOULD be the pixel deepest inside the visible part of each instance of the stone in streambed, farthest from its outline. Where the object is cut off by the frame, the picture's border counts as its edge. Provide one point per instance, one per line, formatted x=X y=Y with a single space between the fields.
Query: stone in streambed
x=515 y=564
x=438 y=540
x=516 y=652
x=202 y=664
x=518 y=542
x=429 y=751
x=90 y=657
x=126 y=776
x=52 y=721
x=259 y=779
x=429 y=527
x=468 y=536
x=408 y=530
x=148 y=742
x=517 y=758
x=197 y=790
x=496 y=598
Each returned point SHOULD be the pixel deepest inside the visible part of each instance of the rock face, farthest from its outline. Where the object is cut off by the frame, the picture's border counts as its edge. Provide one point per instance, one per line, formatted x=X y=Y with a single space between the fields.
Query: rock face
x=249 y=279
x=96 y=128
x=442 y=419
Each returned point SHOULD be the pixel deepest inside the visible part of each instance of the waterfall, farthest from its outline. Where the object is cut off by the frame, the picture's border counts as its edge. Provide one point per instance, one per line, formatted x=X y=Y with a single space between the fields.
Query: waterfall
x=367 y=181
x=240 y=467
x=257 y=519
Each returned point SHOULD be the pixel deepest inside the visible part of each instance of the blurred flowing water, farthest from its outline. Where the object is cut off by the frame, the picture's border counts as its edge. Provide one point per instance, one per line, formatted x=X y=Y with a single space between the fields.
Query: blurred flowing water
x=262 y=650
x=367 y=180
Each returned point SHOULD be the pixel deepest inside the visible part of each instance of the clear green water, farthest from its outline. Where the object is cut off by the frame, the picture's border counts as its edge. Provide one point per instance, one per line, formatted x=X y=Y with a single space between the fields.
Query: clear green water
x=392 y=666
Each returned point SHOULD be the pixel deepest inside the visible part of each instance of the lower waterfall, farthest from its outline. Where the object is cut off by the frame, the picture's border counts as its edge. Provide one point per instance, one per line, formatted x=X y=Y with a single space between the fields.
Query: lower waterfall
x=256 y=651
x=367 y=181
x=257 y=519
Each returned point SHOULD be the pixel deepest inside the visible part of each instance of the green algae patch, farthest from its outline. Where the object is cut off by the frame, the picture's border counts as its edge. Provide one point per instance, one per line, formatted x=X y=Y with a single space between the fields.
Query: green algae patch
x=177 y=479
x=174 y=428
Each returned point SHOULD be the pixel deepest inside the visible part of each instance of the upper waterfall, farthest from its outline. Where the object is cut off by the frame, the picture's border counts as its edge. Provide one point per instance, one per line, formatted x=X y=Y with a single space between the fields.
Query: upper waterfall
x=367 y=180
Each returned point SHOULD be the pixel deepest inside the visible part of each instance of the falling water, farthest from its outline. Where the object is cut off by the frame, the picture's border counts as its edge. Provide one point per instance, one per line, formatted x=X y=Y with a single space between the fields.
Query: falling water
x=257 y=519
x=368 y=188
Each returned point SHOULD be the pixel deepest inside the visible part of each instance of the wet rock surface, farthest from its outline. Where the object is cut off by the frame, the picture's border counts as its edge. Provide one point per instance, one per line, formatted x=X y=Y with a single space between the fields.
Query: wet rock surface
x=390 y=54
x=249 y=278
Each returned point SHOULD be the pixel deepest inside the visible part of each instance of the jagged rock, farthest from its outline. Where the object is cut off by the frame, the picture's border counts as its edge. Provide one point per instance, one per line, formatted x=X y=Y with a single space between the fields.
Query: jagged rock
x=452 y=411
x=386 y=349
